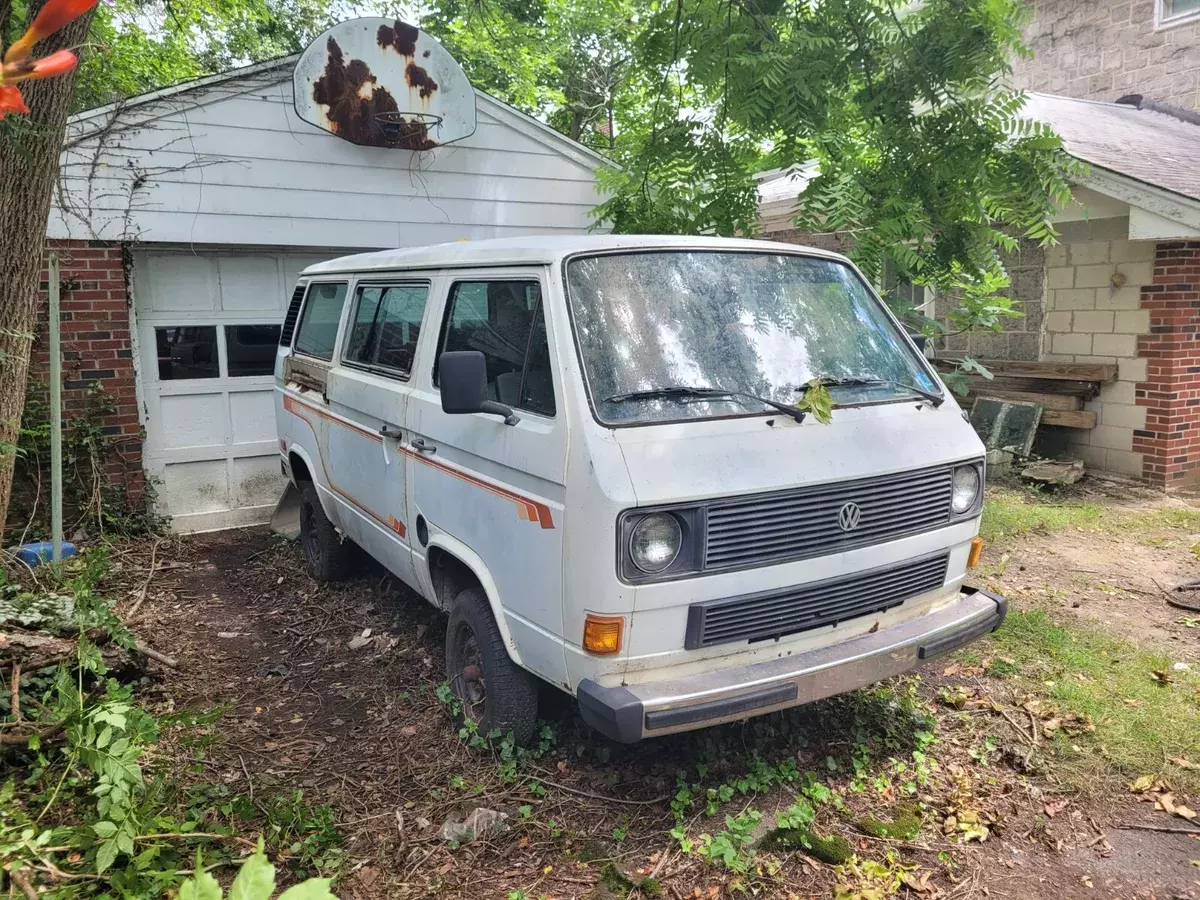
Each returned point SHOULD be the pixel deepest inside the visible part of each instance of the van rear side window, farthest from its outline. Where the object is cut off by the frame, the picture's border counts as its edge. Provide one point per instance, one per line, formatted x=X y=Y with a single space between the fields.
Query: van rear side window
x=319 y=321
x=386 y=325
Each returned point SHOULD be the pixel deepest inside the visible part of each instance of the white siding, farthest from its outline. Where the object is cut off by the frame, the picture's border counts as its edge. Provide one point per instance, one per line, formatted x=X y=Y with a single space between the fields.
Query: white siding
x=231 y=164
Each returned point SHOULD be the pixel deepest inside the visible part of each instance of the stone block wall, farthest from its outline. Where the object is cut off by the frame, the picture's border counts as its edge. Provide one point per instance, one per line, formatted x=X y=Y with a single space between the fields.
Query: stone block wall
x=1094 y=314
x=1019 y=338
x=1104 y=49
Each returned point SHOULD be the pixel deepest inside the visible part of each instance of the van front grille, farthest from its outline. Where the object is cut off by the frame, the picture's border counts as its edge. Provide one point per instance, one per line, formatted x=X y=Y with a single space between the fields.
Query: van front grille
x=773 y=614
x=800 y=523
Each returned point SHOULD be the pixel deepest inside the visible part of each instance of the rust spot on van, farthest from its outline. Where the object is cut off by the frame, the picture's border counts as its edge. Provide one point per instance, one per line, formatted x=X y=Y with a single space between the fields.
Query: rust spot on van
x=400 y=35
x=418 y=77
x=361 y=111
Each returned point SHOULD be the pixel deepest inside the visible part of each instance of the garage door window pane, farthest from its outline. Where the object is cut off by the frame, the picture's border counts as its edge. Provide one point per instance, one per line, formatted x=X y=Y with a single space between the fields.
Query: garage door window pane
x=319 y=321
x=387 y=323
x=250 y=349
x=187 y=352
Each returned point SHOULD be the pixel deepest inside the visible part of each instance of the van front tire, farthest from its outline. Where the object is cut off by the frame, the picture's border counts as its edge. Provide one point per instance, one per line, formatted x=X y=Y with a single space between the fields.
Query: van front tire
x=327 y=555
x=495 y=693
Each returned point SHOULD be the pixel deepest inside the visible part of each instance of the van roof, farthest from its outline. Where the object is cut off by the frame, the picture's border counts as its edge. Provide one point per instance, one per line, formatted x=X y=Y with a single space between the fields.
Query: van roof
x=535 y=250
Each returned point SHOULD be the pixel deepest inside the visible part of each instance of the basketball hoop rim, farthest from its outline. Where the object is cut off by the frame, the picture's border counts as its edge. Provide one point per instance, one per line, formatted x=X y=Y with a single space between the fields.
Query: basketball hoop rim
x=400 y=117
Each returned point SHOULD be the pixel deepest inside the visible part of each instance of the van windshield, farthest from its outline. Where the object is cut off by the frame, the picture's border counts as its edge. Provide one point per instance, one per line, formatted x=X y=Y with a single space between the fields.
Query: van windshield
x=656 y=328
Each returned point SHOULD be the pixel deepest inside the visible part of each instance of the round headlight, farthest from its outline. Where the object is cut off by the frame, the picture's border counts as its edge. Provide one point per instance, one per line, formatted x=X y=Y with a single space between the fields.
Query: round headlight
x=966 y=489
x=655 y=542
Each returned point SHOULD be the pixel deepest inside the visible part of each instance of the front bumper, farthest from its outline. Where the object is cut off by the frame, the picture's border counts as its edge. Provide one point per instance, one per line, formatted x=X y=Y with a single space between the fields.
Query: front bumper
x=628 y=714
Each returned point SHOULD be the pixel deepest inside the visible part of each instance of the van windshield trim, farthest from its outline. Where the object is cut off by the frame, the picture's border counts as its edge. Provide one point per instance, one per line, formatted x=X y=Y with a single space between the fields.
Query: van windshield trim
x=922 y=365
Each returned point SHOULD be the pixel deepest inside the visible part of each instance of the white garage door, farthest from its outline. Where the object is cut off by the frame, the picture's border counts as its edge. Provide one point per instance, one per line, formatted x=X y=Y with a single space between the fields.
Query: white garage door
x=208 y=326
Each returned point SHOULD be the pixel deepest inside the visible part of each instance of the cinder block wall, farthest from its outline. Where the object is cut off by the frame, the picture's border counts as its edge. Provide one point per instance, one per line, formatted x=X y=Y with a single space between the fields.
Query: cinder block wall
x=1104 y=49
x=1094 y=281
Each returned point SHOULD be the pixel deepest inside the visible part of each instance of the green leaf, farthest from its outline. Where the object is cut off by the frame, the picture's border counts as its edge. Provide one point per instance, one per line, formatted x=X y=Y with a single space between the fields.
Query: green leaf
x=817 y=401
x=256 y=880
x=105 y=829
x=105 y=856
x=313 y=889
x=201 y=886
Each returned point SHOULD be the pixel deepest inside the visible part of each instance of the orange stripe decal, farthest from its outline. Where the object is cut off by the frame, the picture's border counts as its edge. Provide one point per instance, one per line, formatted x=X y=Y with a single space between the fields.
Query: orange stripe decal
x=294 y=406
x=527 y=510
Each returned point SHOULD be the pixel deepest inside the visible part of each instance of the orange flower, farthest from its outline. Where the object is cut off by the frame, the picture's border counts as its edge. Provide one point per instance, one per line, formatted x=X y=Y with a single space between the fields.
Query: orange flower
x=48 y=66
x=53 y=16
x=17 y=66
x=11 y=101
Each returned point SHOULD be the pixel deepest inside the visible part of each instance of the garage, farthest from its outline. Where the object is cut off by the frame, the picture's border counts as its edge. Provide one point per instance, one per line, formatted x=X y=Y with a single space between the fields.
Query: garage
x=211 y=321
x=184 y=219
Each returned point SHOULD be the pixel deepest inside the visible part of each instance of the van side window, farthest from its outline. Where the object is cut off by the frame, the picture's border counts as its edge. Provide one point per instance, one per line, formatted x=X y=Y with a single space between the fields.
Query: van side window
x=504 y=321
x=386 y=325
x=319 y=320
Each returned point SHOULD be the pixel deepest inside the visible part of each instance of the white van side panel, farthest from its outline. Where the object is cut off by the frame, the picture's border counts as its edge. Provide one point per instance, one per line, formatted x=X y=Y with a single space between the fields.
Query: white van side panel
x=497 y=489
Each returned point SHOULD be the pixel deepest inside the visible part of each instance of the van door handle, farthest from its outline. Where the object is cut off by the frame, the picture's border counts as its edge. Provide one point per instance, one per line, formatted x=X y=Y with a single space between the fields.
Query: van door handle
x=390 y=431
x=422 y=446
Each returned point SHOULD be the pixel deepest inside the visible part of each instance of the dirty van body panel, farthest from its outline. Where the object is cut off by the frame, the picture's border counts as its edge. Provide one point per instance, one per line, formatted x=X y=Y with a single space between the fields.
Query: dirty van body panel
x=363 y=451
x=497 y=489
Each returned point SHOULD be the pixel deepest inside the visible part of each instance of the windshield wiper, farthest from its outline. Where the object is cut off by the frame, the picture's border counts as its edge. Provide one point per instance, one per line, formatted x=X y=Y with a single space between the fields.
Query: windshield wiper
x=934 y=399
x=708 y=392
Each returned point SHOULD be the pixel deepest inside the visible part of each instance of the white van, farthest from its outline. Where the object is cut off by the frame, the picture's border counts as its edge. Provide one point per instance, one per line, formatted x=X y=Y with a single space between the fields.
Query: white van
x=586 y=451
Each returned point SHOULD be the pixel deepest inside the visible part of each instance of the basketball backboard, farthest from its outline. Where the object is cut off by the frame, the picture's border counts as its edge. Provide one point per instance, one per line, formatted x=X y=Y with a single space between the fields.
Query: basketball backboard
x=384 y=83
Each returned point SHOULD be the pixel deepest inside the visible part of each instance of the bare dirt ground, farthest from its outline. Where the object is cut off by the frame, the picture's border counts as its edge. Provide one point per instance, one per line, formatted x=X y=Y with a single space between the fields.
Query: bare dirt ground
x=1114 y=573
x=332 y=690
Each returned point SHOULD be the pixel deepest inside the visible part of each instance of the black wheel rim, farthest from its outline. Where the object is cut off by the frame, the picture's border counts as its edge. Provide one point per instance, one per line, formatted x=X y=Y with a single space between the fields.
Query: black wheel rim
x=469 y=683
x=308 y=528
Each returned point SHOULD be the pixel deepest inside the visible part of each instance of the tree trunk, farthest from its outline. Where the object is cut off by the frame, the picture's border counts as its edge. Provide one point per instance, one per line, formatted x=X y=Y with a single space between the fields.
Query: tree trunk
x=29 y=150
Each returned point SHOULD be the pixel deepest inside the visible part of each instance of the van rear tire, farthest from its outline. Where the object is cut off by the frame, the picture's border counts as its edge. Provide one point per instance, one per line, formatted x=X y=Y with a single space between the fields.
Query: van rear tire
x=327 y=555
x=495 y=693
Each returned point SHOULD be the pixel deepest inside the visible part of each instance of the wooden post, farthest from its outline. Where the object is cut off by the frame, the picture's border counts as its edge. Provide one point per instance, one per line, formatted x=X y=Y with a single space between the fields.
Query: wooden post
x=56 y=475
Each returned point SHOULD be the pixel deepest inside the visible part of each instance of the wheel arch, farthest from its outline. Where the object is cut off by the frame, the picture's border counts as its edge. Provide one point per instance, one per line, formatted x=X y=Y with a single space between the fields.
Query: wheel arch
x=453 y=567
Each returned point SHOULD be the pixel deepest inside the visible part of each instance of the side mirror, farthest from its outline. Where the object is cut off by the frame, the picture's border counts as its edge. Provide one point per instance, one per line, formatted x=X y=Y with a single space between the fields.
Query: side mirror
x=462 y=377
x=919 y=339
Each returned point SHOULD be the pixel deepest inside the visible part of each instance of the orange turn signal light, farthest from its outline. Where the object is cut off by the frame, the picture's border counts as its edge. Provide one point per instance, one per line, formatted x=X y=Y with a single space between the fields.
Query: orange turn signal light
x=602 y=634
x=976 y=552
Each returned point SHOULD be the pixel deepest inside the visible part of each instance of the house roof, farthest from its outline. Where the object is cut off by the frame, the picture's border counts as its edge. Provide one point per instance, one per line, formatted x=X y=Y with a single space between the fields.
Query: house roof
x=101 y=118
x=1151 y=147
x=539 y=250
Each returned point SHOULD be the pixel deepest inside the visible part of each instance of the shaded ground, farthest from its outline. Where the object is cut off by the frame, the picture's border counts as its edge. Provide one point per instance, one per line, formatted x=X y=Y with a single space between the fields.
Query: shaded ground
x=333 y=691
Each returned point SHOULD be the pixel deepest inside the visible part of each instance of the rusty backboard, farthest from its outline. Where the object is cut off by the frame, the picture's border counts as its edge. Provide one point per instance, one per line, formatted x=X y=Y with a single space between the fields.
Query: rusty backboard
x=384 y=83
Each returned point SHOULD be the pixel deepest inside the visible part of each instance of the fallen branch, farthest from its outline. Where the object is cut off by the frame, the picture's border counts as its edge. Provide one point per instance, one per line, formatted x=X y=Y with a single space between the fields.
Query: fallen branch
x=18 y=878
x=577 y=791
x=10 y=739
x=16 y=691
x=170 y=661
x=1169 y=829
x=137 y=604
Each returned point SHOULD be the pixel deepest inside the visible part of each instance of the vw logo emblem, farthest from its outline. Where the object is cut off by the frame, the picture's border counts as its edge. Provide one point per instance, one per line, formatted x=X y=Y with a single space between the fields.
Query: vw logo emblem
x=848 y=516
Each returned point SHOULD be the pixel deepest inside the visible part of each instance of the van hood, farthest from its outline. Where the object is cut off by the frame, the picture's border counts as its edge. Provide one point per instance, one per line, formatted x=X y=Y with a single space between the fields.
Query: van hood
x=686 y=461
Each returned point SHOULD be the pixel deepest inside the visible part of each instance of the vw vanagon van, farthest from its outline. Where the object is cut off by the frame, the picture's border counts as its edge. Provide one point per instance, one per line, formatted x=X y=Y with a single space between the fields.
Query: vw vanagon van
x=586 y=450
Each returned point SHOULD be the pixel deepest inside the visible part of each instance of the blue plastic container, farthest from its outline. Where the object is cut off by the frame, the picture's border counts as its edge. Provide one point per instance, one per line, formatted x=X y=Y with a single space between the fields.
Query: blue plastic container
x=41 y=552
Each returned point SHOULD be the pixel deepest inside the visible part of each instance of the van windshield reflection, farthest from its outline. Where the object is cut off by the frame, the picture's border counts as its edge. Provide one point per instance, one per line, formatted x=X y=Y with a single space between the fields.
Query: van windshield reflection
x=736 y=327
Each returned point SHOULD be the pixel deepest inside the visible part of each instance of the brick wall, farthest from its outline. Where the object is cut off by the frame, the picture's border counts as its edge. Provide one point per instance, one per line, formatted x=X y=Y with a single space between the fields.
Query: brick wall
x=1170 y=394
x=96 y=346
x=1094 y=281
x=1104 y=49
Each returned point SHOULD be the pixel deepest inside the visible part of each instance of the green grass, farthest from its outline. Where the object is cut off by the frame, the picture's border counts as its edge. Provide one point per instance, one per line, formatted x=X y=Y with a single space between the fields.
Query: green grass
x=1007 y=513
x=1139 y=723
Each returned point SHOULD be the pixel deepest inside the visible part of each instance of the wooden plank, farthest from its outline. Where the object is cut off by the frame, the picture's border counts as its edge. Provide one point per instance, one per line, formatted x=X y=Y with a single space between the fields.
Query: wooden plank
x=1070 y=419
x=1085 y=389
x=1064 y=402
x=1044 y=370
